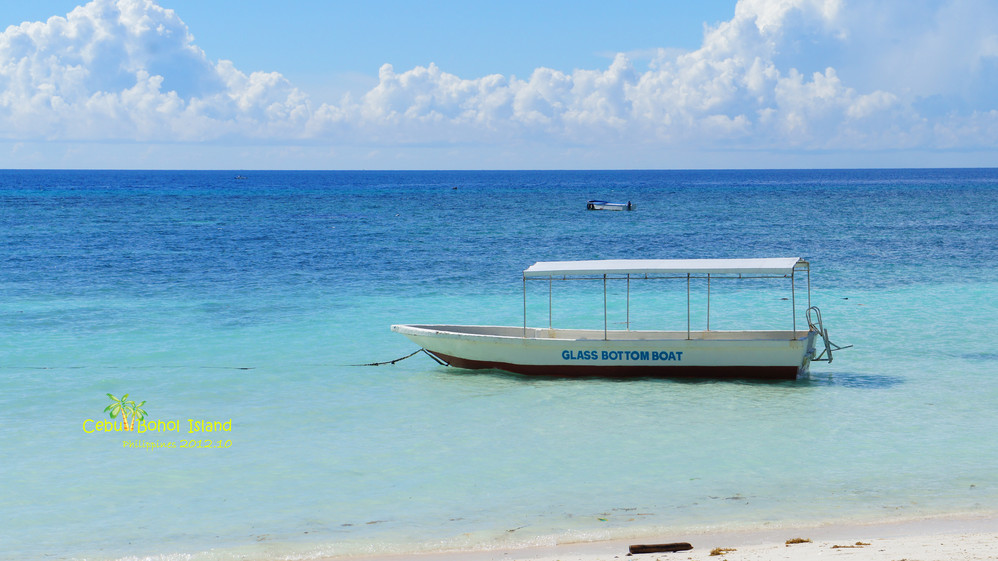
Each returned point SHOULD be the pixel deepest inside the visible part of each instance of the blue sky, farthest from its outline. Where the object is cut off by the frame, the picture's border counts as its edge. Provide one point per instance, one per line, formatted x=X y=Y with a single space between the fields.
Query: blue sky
x=513 y=85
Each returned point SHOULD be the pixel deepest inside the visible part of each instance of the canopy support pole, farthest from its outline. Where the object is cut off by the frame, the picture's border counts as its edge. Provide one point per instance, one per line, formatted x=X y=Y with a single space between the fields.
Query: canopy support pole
x=604 y=308
x=708 y=301
x=628 y=302
x=687 y=306
x=524 y=306
x=550 y=302
x=793 y=301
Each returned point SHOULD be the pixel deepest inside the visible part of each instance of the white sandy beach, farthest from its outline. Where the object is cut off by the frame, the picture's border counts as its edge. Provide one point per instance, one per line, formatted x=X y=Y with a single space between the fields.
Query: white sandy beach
x=925 y=540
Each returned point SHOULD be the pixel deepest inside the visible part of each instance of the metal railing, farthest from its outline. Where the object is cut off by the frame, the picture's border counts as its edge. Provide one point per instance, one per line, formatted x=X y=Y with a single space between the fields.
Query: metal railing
x=814 y=324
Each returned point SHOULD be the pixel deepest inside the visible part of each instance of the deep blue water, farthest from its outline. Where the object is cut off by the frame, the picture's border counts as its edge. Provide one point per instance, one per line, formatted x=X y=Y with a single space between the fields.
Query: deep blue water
x=218 y=298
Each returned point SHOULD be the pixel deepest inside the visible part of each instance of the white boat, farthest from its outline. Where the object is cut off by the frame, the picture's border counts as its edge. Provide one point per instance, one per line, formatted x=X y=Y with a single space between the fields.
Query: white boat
x=606 y=205
x=771 y=354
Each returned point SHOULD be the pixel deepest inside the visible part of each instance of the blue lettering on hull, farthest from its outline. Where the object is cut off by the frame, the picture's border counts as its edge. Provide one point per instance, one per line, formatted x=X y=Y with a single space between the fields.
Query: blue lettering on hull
x=660 y=356
x=579 y=355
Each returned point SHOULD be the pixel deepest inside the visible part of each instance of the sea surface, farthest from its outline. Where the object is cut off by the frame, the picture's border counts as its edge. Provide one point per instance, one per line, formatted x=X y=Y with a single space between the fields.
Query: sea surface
x=246 y=305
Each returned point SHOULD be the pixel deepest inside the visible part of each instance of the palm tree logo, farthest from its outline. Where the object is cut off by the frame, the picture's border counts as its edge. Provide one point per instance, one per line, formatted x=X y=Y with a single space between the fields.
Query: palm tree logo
x=126 y=408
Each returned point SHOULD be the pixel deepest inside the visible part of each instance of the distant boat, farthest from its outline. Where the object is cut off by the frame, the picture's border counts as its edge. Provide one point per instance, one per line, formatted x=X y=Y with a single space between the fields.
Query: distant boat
x=240 y=177
x=606 y=205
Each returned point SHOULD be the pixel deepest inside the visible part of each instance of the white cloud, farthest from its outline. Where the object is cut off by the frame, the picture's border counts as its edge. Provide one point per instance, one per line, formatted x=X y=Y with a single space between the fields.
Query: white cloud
x=129 y=69
x=781 y=74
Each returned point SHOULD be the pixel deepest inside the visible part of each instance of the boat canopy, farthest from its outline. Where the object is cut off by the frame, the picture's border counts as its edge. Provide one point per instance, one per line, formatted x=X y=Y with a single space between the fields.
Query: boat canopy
x=781 y=266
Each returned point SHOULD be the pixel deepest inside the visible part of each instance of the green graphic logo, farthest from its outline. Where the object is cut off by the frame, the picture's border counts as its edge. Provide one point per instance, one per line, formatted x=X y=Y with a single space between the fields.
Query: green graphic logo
x=126 y=408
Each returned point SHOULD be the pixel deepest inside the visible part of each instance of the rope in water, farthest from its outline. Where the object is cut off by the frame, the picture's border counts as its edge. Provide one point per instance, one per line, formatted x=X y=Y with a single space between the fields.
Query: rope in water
x=414 y=353
x=146 y=367
x=113 y=367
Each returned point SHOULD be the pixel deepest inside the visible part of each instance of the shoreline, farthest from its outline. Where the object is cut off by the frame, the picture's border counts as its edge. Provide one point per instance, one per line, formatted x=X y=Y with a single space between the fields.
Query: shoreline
x=929 y=539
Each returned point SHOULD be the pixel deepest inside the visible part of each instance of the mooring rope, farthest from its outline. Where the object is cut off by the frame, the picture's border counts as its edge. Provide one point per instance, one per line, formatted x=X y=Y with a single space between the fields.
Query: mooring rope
x=165 y=366
x=414 y=353
x=114 y=367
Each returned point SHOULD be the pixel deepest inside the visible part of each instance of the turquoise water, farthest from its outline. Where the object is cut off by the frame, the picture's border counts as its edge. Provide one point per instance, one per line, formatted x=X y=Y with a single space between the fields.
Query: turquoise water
x=218 y=299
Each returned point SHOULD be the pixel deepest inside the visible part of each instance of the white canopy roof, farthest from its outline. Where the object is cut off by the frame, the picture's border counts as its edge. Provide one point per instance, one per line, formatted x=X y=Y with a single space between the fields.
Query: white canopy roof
x=765 y=266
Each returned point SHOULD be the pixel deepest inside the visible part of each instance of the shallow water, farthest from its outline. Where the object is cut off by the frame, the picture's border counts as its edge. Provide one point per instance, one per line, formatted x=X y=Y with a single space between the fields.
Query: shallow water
x=218 y=299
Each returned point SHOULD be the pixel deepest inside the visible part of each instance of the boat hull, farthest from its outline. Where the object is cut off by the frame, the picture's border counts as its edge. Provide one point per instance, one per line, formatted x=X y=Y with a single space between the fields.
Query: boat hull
x=772 y=355
x=604 y=205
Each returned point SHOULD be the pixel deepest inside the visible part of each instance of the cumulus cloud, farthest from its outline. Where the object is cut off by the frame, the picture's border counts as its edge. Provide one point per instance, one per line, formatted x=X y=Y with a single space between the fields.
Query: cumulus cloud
x=780 y=74
x=129 y=69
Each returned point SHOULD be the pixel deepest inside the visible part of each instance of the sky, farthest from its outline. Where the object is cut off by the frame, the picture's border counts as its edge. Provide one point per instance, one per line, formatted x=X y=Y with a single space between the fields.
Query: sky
x=641 y=84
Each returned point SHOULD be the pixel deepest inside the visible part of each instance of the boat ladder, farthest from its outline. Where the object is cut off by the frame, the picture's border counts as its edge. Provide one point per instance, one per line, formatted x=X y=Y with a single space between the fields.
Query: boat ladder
x=814 y=324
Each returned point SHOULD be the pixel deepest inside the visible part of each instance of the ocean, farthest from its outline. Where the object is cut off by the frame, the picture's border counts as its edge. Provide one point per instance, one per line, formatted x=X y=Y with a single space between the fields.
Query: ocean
x=245 y=303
